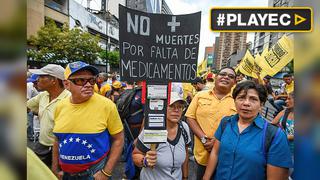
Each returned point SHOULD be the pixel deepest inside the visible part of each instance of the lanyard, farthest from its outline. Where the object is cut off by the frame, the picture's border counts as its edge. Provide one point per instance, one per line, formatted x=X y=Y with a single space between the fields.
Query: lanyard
x=172 y=152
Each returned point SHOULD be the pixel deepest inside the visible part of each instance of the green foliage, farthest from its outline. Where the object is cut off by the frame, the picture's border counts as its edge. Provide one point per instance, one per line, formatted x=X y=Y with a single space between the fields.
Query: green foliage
x=54 y=45
x=113 y=58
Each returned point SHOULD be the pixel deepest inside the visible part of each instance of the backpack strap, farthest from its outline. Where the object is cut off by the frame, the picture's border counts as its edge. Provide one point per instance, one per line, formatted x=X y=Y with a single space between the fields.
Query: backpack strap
x=135 y=113
x=183 y=132
x=224 y=122
x=270 y=132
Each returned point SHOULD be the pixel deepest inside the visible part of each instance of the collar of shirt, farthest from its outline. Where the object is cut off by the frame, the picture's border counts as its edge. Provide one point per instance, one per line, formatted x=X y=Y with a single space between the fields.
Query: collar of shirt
x=258 y=121
x=212 y=92
x=62 y=95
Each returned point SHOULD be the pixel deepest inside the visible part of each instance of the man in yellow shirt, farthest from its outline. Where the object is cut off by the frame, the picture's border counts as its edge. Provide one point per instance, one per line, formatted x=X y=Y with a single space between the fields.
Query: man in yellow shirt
x=84 y=126
x=287 y=89
x=205 y=113
x=50 y=81
x=102 y=86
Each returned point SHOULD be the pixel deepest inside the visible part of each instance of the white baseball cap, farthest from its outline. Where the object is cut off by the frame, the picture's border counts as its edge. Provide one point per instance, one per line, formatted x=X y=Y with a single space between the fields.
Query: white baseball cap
x=50 y=69
x=175 y=96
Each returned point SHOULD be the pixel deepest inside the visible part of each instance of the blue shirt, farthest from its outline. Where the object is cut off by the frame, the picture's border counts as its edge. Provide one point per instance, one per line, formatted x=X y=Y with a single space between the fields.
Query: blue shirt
x=241 y=154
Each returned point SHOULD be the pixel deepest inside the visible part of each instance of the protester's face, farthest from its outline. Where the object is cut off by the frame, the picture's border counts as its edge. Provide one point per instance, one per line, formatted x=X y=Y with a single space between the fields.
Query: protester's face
x=287 y=80
x=239 y=78
x=81 y=84
x=290 y=102
x=248 y=104
x=198 y=86
x=266 y=81
x=99 y=79
x=174 y=111
x=226 y=78
x=45 y=82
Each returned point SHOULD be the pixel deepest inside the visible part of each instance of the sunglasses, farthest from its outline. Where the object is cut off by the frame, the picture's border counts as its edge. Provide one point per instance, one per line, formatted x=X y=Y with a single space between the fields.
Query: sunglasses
x=224 y=74
x=83 y=81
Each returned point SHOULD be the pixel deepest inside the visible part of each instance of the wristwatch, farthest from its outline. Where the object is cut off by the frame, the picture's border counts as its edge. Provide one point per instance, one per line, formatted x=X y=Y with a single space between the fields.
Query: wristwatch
x=203 y=139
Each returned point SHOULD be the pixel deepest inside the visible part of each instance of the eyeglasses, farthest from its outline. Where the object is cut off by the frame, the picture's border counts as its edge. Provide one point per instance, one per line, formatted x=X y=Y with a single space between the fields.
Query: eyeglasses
x=83 y=81
x=224 y=74
x=178 y=107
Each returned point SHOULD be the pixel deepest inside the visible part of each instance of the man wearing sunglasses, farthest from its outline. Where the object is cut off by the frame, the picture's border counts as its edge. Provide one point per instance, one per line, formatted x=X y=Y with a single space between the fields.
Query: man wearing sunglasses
x=205 y=112
x=85 y=123
x=50 y=82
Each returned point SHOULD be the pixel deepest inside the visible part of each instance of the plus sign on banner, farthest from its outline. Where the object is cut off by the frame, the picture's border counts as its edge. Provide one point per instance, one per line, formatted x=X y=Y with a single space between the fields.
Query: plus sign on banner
x=158 y=47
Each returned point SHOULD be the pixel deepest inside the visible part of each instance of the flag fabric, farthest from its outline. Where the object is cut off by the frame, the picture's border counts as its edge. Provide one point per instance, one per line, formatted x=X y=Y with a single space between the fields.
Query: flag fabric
x=277 y=57
x=202 y=67
x=129 y=167
x=247 y=65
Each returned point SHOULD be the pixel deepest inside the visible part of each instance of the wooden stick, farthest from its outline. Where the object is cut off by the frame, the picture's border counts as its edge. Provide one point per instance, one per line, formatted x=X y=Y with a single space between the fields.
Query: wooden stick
x=153 y=148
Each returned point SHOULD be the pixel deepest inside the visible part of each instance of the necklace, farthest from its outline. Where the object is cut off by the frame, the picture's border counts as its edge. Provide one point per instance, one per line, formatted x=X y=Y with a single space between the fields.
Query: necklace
x=172 y=152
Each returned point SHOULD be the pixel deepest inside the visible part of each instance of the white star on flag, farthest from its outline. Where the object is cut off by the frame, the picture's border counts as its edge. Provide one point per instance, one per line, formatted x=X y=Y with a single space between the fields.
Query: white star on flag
x=89 y=146
x=93 y=150
x=84 y=142
x=60 y=145
x=65 y=141
x=78 y=140
x=71 y=139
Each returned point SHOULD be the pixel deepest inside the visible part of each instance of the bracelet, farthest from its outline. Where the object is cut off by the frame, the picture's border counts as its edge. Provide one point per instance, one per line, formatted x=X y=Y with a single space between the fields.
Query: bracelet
x=145 y=162
x=105 y=173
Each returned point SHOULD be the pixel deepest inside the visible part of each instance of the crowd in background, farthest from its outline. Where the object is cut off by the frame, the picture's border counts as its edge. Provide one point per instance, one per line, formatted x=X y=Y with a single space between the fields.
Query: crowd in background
x=83 y=132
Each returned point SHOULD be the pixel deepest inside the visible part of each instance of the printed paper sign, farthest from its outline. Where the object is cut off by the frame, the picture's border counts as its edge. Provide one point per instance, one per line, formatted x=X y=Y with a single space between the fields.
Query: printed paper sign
x=157 y=92
x=155 y=136
x=156 y=104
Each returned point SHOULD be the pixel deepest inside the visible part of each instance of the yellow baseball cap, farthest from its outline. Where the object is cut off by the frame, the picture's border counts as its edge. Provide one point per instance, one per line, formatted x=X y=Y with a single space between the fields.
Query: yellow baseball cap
x=116 y=84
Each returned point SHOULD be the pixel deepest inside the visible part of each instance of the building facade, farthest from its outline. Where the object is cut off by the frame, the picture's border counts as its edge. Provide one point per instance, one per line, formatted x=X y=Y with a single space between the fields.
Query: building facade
x=150 y=6
x=208 y=55
x=264 y=40
x=228 y=44
x=38 y=11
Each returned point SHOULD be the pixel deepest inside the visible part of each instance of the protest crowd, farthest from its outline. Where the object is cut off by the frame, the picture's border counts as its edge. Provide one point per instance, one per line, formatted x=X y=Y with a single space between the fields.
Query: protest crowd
x=231 y=125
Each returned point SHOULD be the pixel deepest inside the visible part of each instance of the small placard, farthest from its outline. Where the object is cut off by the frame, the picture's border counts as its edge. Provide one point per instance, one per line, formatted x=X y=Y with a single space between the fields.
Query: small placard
x=155 y=136
x=156 y=121
x=156 y=104
x=157 y=91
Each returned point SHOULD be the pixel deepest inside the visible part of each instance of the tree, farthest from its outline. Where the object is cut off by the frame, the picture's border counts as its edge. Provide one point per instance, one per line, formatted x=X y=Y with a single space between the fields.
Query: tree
x=113 y=58
x=54 y=45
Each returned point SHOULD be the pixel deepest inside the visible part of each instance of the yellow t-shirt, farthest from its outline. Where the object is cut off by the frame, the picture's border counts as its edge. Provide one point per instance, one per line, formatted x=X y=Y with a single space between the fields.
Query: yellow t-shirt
x=208 y=111
x=36 y=169
x=103 y=89
x=83 y=131
x=289 y=88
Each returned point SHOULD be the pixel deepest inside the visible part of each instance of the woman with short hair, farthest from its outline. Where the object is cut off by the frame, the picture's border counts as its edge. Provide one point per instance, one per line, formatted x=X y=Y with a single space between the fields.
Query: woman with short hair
x=247 y=146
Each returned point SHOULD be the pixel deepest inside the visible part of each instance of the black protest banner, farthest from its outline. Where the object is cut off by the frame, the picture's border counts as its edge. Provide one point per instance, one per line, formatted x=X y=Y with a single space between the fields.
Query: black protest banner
x=158 y=47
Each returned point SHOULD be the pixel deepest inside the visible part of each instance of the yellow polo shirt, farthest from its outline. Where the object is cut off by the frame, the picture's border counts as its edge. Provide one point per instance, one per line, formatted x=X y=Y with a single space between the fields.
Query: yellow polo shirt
x=208 y=111
x=45 y=109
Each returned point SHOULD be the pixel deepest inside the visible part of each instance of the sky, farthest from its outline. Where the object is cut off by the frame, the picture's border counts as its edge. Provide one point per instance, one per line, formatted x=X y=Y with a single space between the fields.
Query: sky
x=207 y=37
